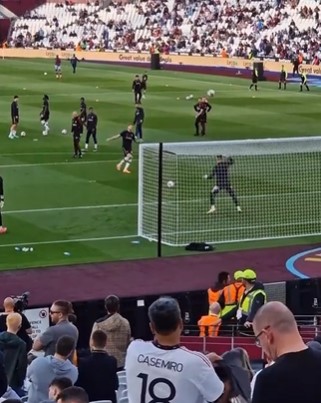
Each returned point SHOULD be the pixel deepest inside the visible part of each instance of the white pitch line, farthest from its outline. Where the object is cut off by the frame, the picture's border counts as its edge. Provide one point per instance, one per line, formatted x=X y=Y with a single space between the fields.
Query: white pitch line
x=61 y=241
x=44 y=210
x=71 y=162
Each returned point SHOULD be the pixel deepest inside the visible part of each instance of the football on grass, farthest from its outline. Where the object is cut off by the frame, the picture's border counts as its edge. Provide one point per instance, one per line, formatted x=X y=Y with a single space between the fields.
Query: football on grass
x=211 y=93
x=63 y=131
x=170 y=184
x=23 y=134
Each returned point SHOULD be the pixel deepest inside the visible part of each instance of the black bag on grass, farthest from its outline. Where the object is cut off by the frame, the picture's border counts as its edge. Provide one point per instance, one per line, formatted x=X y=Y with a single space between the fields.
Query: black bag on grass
x=199 y=247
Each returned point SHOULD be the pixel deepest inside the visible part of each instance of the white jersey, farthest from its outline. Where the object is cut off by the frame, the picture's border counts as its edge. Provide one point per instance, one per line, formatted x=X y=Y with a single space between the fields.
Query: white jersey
x=177 y=375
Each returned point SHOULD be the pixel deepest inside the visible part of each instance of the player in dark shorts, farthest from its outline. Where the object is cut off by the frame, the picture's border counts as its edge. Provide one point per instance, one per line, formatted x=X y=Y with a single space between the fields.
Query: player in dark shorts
x=83 y=111
x=74 y=61
x=91 y=123
x=14 y=117
x=304 y=82
x=44 y=115
x=283 y=78
x=76 y=130
x=137 y=89
x=128 y=138
x=255 y=79
x=222 y=182
x=201 y=108
x=144 y=83
x=139 y=121
x=58 y=67
x=3 y=229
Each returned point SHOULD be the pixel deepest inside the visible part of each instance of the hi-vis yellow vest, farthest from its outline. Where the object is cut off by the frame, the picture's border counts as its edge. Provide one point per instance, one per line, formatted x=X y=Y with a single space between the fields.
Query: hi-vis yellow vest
x=246 y=303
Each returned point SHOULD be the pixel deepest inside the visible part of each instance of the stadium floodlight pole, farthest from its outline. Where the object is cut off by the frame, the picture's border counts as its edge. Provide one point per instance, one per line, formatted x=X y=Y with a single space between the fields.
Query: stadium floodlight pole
x=160 y=198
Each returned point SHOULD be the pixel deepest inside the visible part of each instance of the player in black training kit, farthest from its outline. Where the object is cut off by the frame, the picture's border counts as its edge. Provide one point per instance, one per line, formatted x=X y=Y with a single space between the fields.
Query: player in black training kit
x=283 y=78
x=255 y=78
x=3 y=230
x=14 y=118
x=127 y=137
x=44 y=115
x=91 y=123
x=83 y=112
x=137 y=89
x=144 y=83
x=201 y=109
x=76 y=130
x=138 y=121
x=221 y=175
x=74 y=61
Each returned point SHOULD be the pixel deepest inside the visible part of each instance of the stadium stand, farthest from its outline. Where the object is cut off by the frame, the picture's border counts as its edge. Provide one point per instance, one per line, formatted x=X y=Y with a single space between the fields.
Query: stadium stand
x=272 y=28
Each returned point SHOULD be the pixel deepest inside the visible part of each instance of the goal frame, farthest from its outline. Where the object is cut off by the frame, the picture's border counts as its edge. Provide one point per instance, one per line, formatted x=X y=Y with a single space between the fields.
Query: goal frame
x=161 y=148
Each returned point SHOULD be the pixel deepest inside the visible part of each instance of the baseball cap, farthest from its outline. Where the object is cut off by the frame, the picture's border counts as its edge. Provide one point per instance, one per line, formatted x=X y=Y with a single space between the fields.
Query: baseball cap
x=249 y=274
x=238 y=275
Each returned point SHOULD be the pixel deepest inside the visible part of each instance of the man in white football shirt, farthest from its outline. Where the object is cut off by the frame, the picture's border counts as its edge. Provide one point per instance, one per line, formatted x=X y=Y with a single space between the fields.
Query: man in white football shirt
x=162 y=371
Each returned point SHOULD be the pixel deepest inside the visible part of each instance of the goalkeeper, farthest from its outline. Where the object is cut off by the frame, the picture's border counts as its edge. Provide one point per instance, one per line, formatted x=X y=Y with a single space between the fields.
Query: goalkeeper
x=221 y=175
x=3 y=230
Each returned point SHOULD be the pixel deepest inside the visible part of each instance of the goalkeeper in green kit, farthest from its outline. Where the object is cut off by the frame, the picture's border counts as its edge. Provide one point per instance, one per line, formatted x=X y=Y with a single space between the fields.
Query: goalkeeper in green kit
x=222 y=182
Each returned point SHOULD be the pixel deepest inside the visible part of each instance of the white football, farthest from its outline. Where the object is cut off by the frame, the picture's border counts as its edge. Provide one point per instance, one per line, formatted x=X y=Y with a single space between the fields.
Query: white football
x=63 y=131
x=211 y=93
x=23 y=134
x=170 y=184
x=45 y=73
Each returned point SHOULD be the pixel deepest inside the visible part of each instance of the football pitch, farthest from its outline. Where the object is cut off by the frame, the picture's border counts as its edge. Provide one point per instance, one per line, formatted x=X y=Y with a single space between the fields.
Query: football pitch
x=78 y=211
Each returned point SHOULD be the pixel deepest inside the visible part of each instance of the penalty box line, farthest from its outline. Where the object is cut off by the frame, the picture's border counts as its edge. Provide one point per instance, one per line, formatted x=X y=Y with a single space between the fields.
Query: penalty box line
x=63 y=241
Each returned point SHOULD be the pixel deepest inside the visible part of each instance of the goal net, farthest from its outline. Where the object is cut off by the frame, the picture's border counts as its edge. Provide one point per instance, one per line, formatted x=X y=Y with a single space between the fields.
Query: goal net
x=276 y=181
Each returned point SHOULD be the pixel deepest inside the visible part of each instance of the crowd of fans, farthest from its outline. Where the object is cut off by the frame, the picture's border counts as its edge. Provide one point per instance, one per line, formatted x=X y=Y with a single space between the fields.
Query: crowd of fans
x=271 y=28
x=117 y=369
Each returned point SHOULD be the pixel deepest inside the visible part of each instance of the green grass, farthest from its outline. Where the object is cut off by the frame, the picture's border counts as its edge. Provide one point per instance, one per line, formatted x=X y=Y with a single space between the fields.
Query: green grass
x=86 y=208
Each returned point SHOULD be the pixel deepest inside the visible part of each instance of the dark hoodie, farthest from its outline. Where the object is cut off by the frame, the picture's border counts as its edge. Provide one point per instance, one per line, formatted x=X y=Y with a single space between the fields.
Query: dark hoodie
x=241 y=377
x=258 y=301
x=15 y=358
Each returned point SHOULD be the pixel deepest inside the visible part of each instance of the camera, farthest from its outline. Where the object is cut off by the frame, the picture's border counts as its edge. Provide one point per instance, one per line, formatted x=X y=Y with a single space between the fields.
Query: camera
x=21 y=301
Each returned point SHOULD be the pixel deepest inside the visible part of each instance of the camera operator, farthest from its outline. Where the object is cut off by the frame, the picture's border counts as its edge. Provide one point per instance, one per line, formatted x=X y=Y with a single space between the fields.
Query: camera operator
x=25 y=330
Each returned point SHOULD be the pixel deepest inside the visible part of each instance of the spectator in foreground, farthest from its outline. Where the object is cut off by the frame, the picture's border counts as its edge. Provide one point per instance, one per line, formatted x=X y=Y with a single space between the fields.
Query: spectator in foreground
x=294 y=376
x=15 y=353
x=43 y=370
x=98 y=372
x=181 y=375
x=25 y=329
x=74 y=394
x=3 y=377
x=117 y=329
x=59 y=314
x=56 y=387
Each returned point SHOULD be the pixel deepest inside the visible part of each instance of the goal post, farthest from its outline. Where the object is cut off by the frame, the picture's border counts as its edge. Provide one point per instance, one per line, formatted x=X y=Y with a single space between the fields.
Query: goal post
x=276 y=182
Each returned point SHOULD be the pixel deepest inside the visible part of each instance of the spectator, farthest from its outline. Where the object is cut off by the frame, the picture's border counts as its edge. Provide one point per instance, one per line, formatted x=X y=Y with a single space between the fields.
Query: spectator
x=294 y=375
x=166 y=371
x=59 y=314
x=15 y=353
x=239 y=363
x=117 y=329
x=209 y=324
x=43 y=370
x=56 y=387
x=215 y=292
x=98 y=372
x=3 y=377
x=253 y=298
x=74 y=394
x=24 y=331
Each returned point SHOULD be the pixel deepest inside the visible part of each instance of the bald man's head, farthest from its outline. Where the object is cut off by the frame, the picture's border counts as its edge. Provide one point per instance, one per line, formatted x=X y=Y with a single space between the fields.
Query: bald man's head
x=8 y=303
x=277 y=315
